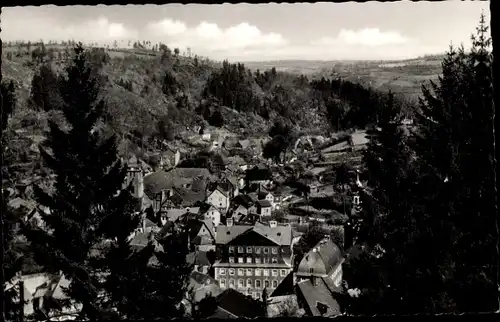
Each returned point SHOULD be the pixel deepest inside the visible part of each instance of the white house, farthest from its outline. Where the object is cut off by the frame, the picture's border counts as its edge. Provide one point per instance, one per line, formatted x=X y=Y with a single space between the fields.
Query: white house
x=213 y=214
x=219 y=199
x=264 y=207
x=205 y=136
x=264 y=195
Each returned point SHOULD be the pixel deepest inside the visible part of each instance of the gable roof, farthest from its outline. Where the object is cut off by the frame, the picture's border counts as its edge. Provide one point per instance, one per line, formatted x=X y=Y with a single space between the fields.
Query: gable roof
x=198 y=258
x=174 y=213
x=318 y=294
x=263 y=203
x=243 y=199
x=189 y=196
x=323 y=258
x=161 y=180
x=244 y=143
x=281 y=235
x=239 y=304
x=286 y=287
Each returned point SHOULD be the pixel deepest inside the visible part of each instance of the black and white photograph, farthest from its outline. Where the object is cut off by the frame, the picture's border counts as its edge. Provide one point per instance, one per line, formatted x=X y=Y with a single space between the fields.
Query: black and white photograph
x=232 y=161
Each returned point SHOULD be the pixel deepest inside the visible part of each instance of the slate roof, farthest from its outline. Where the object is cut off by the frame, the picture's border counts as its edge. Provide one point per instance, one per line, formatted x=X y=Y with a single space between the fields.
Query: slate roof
x=198 y=258
x=281 y=235
x=286 y=287
x=263 y=203
x=240 y=304
x=189 y=197
x=243 y=199
x=326 y=258
x=315 y=294
x=160 y=180
x=175 y=213
x=244 y=143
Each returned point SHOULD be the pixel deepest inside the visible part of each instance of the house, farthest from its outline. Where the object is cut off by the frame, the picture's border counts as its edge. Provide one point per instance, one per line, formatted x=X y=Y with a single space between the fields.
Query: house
x=265 y=195
x=201 y=233
x=219 y=162
x=170 y=158
x=205 y=136
x=264 y=207
x=200 y=262
x=324 y=260
x=251 y=258
x=43 y=294
x=203 y=285
x=217 y=141
x=210 y=212
x=243 y=144
x=158 y=186
x=239 y=162
x=258 y=175
x=173 y=214
x=220 y=199
x=358 y=140
x=182 y=197
x=317 y=298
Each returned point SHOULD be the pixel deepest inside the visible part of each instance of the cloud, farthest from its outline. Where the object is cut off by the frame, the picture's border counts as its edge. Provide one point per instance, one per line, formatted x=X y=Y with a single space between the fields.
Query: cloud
x=100 y=30
x=167 y=27
x=371 y=37
x=208 y=38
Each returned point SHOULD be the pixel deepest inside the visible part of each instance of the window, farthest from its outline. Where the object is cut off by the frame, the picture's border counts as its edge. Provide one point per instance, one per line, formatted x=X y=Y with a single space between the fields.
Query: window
x=241 y=283
x=266 y=272
x=249 y=283
x=249 y=260
x=311 y=270
x=240 y=249
x=266 y=260
x=266 y=250
x=257 y=272
x=241 y=272
x=275 y=260
x=257 y=260
x=257 y=250
x=249 y=250
x=231 y=271
x=275 y=272
x=249 y=272
x=275 y=284
x=231 y=250
x=266 y=283
x=222 y=283
x=283 y=272
x=240 y=260
x=231 y=283
x=231 y=259
x=222 y=271
x=258 y=284
x=275 y=250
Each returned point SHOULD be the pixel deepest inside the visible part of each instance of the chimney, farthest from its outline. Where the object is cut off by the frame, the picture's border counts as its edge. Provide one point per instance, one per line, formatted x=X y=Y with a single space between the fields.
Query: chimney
x=273 y=223
x=229 y=222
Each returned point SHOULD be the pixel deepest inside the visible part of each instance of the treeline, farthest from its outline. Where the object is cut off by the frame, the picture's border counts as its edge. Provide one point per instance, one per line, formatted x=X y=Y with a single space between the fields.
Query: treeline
x=430 y=226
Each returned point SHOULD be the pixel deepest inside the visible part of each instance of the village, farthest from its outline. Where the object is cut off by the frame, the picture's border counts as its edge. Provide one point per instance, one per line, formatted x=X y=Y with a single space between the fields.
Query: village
x=243 y=214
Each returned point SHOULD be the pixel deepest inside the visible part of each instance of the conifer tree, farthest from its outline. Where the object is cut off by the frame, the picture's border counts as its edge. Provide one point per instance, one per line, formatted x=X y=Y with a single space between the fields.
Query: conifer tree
x=10 y=258
x=455 y=150
x=85 y=206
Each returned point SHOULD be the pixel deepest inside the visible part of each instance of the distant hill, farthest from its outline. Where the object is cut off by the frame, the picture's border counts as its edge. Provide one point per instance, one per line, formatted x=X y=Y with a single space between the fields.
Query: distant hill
x=401 y=76
x=149 y=92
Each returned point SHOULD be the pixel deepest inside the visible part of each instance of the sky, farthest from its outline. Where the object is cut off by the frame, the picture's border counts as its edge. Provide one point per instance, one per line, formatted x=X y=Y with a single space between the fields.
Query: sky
x=259 y=32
